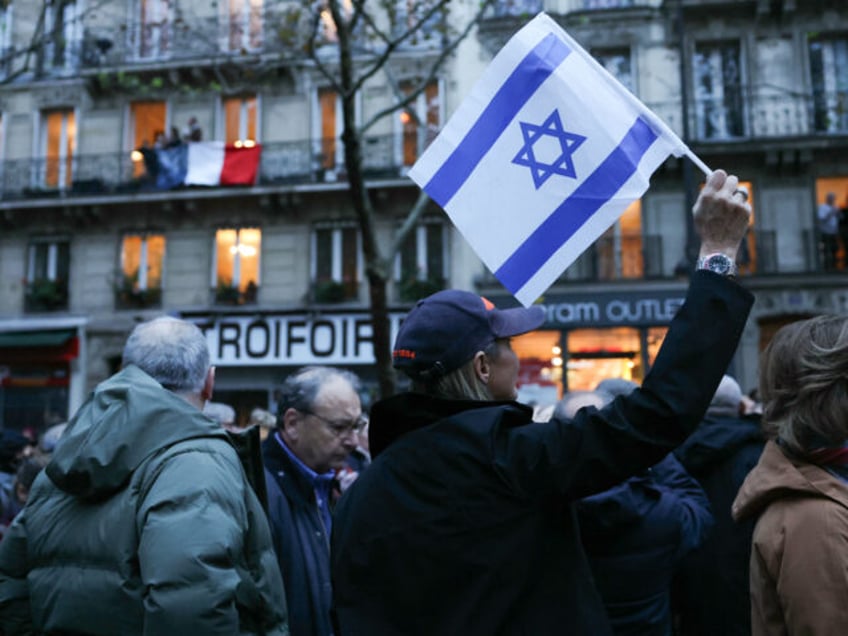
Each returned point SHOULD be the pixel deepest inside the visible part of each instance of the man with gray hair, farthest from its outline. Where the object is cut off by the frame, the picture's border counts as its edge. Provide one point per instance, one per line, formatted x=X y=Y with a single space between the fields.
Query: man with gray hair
x=319 y=418
x=144 y=522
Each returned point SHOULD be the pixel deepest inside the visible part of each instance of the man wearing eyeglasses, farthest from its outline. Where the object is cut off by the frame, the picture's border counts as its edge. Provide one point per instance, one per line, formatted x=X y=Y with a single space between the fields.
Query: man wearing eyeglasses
x=319 y=417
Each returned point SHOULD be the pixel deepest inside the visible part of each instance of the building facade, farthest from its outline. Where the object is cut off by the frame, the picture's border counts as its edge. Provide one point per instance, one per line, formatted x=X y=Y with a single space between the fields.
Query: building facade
x=182 y=157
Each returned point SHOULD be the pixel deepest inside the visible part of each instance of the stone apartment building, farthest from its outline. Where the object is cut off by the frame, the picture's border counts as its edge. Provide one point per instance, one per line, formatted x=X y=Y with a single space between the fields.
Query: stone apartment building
x=265 y=253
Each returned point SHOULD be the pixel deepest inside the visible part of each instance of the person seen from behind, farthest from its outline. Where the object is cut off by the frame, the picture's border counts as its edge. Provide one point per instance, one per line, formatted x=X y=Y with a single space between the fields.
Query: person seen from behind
x=464 y=522
x=798 y=492
x=143 y=522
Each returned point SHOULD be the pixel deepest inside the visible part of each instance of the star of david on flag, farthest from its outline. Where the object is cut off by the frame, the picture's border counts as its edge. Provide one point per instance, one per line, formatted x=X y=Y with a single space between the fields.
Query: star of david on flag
x=543 y=156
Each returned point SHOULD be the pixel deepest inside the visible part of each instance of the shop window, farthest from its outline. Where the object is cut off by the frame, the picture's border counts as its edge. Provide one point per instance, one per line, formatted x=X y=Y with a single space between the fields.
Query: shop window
x=597 y=354
x=421 y=266
x=717 y=76
x=63 y=35
x=829 y=75
x=240 y=119
x=335 y=264
x=154 y=28
x=139 y=281
x=236 y=267
x=540 y=367
x=420 y=120
x=245 y=24
x=59 y=141
x=48 y=267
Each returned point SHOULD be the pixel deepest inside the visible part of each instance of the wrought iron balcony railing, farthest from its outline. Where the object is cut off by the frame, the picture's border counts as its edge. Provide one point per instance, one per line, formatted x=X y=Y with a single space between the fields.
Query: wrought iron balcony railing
x=297 y=162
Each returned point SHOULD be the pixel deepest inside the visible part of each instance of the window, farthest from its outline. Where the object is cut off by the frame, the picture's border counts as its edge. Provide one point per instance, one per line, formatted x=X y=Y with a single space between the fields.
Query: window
x=140 y=279
x=421 y=120
x=418 y=15
x=717 y=77
x=829 y=75
x=328 y=32
x=58 y=144
x=236 y=266
x=329 y=151
x=421 y=266
x=6 y=11
x=63 y=35
x=239 y=118
x=617 y=62
x=148 y=121
x=335 y=263
x=48 y=267
x=245 y=25
x=154 y=28
x=619 y=249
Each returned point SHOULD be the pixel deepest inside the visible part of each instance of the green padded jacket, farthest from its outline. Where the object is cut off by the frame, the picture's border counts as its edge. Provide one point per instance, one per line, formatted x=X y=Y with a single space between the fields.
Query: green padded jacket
x=142 y=523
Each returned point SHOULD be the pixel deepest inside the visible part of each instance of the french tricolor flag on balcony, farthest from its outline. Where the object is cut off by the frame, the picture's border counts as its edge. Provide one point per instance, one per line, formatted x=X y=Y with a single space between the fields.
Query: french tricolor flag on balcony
x=208 y=163
x=544 y=155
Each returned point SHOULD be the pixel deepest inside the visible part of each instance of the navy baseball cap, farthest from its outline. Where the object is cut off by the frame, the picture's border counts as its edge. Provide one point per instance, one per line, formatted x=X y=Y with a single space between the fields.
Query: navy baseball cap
x=446 y=329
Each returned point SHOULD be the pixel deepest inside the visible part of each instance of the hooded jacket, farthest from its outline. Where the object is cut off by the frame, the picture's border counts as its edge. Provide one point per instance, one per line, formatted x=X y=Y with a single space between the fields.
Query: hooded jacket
x=799 y=559
x=635 y=535
x=464 y=522
x=142 y=523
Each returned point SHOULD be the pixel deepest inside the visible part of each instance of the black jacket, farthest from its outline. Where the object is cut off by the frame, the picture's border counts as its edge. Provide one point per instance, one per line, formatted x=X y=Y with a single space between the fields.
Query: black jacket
x=712 y=586
x=300 y=541
x=463 y=523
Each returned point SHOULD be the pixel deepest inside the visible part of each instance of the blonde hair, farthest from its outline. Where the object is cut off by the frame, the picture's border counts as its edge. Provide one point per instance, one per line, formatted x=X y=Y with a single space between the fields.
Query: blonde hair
x=804 y=383
x=462 y=383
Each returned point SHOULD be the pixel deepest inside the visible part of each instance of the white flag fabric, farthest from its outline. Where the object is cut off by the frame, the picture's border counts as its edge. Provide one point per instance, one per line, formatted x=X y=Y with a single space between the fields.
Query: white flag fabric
x=543 y=156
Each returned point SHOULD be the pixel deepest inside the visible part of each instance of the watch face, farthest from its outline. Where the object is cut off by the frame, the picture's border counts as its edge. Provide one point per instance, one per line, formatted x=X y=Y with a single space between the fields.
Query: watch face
x=719 y=263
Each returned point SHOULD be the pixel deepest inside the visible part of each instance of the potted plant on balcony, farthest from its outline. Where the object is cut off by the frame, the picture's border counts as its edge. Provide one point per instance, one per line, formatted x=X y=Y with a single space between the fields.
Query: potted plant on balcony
x=44 y=294
x=226 y=294
x=128 y=294
x=328 y=291
x=413 y=288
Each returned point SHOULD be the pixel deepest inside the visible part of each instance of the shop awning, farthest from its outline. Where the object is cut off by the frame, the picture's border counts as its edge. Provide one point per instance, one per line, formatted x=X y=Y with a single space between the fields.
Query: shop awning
x=55 y=338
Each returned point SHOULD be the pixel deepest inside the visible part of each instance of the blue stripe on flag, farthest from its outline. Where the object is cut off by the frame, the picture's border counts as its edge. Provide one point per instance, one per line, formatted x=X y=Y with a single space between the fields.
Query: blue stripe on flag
x=518 y=88
x=587 y=199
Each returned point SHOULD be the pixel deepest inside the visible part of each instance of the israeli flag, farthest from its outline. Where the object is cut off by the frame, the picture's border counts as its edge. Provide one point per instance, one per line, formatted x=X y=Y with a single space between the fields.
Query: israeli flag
x=544 y=155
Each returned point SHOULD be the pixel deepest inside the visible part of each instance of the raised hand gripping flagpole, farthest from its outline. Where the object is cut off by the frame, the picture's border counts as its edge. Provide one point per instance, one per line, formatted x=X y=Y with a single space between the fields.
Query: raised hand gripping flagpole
x=542 y=157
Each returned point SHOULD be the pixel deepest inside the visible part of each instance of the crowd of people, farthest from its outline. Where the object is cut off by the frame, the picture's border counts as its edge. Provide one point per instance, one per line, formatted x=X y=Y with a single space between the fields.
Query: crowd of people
x=655 y=508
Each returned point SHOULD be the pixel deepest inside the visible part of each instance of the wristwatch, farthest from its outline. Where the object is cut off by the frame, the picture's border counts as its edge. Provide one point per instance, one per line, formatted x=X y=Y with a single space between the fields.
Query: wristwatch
x=718 y=263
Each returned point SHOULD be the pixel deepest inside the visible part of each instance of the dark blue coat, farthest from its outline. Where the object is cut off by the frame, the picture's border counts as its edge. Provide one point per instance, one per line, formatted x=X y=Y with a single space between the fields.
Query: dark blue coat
x=301 y=543
x=712 y=588
x=635 y=535
x=464 y=522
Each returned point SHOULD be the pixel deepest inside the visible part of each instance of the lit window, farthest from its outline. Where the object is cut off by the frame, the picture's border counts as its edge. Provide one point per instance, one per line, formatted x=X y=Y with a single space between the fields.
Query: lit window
x=239 y=118
x=421 y=120
x=335 y=263
x=59 y=135
x=236 y=267
x=148 y=121
x=142 y=260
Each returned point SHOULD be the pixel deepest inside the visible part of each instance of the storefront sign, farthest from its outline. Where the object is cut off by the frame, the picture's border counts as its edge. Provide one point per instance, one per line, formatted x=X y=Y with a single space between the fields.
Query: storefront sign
x=296 y=339
x=607 y=309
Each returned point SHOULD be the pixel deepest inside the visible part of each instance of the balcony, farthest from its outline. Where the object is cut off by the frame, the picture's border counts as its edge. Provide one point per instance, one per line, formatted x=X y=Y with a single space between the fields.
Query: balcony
x=116 y=174
x=760 y=113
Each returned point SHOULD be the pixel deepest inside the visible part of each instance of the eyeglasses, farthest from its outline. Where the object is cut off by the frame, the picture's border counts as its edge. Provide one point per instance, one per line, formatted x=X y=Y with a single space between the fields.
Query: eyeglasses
x=340 y=429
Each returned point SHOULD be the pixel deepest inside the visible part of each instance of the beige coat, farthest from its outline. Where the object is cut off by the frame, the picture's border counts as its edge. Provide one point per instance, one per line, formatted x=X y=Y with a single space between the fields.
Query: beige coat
x=799 y=560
